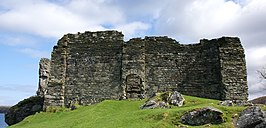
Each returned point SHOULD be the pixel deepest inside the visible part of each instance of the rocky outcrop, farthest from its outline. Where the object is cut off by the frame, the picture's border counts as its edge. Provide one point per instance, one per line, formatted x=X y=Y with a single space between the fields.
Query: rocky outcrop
x=44 y=73
x=203 y=116
x=23 y=109
x=164 y=100
x=251 y=117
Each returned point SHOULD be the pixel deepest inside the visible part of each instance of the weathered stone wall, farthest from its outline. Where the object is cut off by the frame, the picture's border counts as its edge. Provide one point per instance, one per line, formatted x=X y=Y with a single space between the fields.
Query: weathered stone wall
x=212 y=69
x=190 y=69
x=233 y=69
x=89 y=67
x=86 y=68
x=93 y=67
x=55 y=89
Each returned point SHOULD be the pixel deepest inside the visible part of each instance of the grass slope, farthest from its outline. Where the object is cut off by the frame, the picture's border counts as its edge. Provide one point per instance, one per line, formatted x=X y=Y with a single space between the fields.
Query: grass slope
x=124 y=114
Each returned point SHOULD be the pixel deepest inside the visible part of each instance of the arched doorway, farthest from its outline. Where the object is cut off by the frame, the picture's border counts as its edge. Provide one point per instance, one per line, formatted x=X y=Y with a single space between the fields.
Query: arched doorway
x=134 y=87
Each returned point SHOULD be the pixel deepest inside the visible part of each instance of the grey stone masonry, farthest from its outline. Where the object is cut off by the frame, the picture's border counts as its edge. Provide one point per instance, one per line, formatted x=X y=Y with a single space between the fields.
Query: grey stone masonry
x=89 y=67
x=44 y=72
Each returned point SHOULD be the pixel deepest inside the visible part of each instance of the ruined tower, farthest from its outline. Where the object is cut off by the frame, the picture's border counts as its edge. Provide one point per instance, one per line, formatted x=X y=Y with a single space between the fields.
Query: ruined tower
x=89 y=67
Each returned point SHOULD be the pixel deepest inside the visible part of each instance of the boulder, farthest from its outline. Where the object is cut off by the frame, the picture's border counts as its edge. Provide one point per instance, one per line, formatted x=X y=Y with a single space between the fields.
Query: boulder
x=176 y=99
x=251 y=117
x=203 y=116
x=164 y=100
x=23 y=109
x=261 y=125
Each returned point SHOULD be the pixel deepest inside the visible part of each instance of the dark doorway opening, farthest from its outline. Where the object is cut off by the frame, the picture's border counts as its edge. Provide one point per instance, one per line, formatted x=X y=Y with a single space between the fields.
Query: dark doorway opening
x=134 y=86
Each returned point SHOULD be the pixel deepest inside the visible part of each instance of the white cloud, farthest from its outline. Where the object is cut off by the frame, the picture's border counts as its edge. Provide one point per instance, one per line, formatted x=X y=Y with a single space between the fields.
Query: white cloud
x=197 y=19
x=258 y=89
x=40 y=18
x=53 y=20
x=133 y=29
x=19 y=40
x=35 y=53
x=188 y=20
x=16 y=40
x=141 y=10
x=96 y=11
x=256 y=56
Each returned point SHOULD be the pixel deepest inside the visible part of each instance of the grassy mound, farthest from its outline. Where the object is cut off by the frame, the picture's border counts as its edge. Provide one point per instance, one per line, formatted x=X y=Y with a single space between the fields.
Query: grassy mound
x=124 y=114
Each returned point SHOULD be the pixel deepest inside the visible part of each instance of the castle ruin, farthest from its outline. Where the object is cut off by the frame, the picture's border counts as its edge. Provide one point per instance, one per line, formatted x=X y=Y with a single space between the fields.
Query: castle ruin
x=86 y=68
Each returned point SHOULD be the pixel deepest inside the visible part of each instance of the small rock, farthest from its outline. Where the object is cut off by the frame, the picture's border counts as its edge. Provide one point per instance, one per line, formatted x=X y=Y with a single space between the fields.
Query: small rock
x=203 y=116
x=251 y=117
x=226 y=103
x=73 y=107
x=151 y=104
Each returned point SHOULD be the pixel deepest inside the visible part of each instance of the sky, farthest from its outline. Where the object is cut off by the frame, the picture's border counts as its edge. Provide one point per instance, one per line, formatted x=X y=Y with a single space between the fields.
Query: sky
x=30 y=28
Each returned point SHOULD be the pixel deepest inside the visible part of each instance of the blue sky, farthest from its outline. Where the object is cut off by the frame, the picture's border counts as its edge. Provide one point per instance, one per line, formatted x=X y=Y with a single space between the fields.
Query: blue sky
x=30 y=28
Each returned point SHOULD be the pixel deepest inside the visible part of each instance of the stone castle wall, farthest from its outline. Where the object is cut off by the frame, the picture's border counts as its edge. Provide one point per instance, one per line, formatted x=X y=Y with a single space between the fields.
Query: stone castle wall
x=89 y=67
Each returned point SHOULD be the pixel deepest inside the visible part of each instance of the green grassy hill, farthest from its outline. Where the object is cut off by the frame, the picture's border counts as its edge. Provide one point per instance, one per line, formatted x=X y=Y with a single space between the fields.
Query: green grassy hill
x=124 y=114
